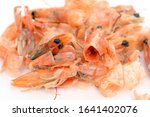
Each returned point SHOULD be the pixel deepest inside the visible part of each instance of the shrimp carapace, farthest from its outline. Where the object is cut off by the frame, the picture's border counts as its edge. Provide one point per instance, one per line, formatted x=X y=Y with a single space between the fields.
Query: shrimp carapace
x=95 y=45
x=56 y=15
x=55 y=44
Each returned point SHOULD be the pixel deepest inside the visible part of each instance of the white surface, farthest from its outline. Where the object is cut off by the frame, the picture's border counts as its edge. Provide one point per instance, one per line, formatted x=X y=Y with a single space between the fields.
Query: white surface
x=9 y=92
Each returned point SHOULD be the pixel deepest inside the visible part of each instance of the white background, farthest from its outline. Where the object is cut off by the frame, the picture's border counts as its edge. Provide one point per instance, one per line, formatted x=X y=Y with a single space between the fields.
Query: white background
x=91 y=93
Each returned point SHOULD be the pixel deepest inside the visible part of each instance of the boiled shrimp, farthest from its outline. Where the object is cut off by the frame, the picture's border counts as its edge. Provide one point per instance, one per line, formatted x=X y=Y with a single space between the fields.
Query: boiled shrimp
x=54 y=45
x=48 y=59
x=84 y=41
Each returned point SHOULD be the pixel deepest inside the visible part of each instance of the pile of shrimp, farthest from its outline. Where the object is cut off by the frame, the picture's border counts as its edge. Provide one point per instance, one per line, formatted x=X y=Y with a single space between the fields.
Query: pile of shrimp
x=83 y=41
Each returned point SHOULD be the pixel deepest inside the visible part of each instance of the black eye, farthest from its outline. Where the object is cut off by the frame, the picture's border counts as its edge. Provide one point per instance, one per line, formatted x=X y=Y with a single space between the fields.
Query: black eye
x=33 y=14
x=60 y=46
x=145 y=41
x=99 y=27
x=136 y=15
x=125 y=43
x=57 y=41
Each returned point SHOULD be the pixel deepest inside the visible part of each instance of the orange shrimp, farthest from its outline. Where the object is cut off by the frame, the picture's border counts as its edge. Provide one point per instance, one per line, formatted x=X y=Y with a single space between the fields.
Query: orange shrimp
x=65 y=56
x=54 y=44
x=60 y=15
x=127 y=49
x=57 y=15
x=129 y=18
x=45 y=78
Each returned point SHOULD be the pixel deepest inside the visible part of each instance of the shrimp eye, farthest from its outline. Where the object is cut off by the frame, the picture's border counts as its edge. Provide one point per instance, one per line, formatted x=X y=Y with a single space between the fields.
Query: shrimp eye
x=60 y=46
x=145 y=41
x=136 y=15
x=99 y=27
x=125 y=43
x=57 y=41
x=33 y=14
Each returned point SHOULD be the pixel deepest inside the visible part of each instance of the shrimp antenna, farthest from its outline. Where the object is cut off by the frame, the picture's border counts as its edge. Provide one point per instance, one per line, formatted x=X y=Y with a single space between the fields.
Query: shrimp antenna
x=56 y=93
